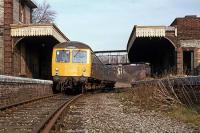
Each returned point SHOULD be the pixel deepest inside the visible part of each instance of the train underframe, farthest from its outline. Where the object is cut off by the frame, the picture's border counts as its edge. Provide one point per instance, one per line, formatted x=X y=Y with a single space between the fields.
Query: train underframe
x=71 y=85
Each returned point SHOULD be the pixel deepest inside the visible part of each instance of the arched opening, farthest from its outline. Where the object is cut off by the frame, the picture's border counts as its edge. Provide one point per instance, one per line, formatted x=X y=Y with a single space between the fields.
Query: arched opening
x=159 y=52
x=32 y=57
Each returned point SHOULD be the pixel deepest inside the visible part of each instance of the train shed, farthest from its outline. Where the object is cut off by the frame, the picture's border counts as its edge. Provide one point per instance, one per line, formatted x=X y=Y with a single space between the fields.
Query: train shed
x=168 y=49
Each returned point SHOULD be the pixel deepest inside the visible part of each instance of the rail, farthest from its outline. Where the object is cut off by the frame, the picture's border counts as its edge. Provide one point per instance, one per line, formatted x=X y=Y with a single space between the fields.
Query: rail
x=48 y=124
x=33 y=115
x=24 y=102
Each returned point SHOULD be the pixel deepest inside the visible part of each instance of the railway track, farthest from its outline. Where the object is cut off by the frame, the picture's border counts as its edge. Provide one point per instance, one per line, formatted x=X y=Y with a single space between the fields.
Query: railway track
x=72 y=119
x=33 y=116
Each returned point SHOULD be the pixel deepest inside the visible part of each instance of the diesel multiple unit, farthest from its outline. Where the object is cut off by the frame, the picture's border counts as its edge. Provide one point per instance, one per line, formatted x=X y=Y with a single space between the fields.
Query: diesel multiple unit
x=76 y=68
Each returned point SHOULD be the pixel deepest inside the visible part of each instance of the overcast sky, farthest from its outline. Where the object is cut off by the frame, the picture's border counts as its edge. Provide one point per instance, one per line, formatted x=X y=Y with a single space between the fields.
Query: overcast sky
x=107 y=24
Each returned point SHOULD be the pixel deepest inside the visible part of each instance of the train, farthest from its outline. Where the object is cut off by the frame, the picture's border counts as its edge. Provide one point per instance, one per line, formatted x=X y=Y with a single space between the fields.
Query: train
x=75 y=68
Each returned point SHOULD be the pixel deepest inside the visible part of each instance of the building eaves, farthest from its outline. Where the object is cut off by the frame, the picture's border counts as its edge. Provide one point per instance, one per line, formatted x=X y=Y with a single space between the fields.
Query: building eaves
x=25 y=30
x=30 y=3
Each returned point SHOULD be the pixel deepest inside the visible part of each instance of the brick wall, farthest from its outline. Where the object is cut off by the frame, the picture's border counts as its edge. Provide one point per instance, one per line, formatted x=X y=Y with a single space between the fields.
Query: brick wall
x=1 y=11
x=1 y=36
x=171 y=36
x=8 y=19
x=196 y=57
x=28 y=14
x=20 y=53
x=11 y=15
x=13 y=89
x=188 y=28
x=1 y=55
x=15 y=11
x=179 y=60
x=188 y=31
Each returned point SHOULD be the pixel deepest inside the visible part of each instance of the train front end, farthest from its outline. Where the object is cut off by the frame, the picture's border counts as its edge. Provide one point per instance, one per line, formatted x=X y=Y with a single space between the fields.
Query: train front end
x=71 y=66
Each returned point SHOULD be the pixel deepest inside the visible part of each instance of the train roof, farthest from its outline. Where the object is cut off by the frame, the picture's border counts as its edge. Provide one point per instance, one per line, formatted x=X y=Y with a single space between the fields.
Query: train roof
x=74 y=44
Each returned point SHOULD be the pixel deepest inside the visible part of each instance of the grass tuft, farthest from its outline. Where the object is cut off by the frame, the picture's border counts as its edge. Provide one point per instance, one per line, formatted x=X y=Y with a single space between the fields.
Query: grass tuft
x=187 y=115
x=158 y=98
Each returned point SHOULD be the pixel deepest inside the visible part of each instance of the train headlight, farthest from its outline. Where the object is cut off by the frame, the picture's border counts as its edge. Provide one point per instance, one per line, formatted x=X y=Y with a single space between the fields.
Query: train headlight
x=56 y=71
x=83 y=71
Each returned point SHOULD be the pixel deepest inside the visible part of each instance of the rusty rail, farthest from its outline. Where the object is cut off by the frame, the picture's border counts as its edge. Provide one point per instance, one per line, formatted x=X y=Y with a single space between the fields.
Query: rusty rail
x=24 y=102
x=48 y=123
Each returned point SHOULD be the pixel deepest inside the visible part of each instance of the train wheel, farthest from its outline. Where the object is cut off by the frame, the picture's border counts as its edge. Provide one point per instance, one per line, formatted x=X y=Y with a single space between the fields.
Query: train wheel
x=56 y=87
x=83 y=89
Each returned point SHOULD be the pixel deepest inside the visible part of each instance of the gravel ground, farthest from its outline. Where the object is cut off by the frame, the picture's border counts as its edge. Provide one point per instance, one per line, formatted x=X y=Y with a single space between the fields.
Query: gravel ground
x=103 y=112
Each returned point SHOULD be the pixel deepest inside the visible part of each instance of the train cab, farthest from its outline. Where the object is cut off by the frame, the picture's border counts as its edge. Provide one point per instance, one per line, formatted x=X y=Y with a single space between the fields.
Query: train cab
x=71 y=62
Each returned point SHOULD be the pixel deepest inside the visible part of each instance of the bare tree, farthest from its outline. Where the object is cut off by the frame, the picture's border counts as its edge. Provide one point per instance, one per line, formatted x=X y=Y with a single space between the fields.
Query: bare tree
x=43 y=14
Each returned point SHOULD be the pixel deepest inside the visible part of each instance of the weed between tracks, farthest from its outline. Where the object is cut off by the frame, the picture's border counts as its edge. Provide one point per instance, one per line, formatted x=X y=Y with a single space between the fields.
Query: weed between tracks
x=159 y=99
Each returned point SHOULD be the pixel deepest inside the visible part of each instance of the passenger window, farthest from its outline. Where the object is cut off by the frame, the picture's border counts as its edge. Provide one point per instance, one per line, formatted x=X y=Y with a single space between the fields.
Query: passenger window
x=62 y=56
x=79 y=56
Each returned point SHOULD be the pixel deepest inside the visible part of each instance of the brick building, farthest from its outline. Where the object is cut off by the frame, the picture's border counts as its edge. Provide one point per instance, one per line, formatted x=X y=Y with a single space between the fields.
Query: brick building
x=25 y=48
x=167 y=48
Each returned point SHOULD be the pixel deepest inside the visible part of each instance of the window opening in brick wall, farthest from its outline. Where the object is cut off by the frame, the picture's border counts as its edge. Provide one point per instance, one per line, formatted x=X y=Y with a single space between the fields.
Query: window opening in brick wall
x=22 y=14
